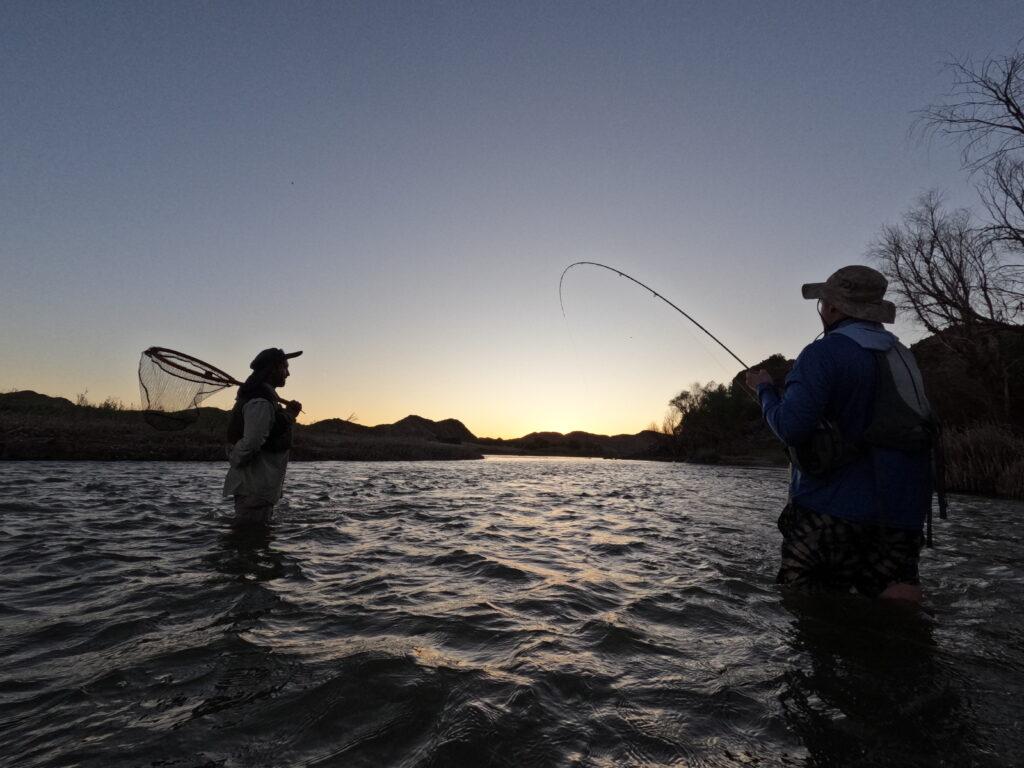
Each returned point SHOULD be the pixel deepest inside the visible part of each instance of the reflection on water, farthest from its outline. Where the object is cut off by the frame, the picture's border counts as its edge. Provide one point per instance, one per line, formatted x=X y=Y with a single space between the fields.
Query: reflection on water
x=497 y=613
x=245 y=551
x=867 y=687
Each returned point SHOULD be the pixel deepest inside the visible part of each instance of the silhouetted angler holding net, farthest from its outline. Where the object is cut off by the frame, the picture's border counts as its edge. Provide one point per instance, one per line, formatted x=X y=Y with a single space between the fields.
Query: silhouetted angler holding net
x=259 y=434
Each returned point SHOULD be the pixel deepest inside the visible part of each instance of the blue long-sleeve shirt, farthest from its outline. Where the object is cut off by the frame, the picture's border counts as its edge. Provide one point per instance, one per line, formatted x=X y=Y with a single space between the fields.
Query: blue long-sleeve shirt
x=834 y=378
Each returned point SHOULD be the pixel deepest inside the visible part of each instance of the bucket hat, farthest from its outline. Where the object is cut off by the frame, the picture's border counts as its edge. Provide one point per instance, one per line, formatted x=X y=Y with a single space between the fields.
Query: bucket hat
x=857 y=291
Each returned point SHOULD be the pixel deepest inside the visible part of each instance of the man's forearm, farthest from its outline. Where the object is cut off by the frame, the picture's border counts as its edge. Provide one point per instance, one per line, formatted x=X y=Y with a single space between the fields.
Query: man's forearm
x=792 y=416
x=259 y=416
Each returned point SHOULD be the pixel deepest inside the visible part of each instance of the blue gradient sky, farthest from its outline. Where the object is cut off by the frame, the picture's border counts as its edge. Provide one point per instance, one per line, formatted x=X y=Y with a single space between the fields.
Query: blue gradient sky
x=396 y=187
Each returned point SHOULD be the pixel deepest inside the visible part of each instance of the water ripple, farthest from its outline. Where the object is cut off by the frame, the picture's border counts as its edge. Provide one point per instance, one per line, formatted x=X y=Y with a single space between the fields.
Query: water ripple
x=496 y=613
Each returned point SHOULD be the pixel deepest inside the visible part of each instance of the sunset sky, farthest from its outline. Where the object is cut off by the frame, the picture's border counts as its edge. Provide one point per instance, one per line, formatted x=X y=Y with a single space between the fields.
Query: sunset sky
x=395 y=188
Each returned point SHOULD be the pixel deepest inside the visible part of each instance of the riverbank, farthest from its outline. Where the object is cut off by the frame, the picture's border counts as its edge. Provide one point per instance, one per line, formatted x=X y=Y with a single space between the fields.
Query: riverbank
x=986 y=460
x=34 y=426
x=982 y=439
x=39 y=427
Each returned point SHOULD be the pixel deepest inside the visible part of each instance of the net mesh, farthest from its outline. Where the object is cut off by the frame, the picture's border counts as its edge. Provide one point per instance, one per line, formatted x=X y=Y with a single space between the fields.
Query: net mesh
x=173 y=384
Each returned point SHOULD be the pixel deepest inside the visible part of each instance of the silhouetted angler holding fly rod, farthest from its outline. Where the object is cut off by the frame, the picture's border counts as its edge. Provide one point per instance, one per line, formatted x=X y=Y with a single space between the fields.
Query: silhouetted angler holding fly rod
x=861 y=436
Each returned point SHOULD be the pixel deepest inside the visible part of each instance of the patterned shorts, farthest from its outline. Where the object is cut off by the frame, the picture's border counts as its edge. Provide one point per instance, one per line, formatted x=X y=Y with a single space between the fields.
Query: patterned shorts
x=822 y=553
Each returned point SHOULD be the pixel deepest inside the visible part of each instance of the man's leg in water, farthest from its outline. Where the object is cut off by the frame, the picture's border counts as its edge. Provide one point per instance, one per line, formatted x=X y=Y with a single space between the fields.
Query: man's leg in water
x=890 y=564
x=252 y=510
x=911 y=593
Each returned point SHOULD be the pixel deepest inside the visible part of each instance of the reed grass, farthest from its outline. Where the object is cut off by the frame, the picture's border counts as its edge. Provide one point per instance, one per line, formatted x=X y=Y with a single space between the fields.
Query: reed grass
x=986 y=459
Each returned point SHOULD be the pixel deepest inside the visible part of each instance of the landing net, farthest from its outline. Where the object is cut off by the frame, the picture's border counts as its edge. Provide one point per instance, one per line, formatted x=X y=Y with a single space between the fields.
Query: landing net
x=173 y=384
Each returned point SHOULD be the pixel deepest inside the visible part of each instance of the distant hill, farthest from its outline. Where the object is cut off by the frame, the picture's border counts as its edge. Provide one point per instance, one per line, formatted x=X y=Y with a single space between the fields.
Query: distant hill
x=28 y=401
x=339 y=426
x=450 y=431
x=446 y=431
x=36 y=426
x=643 y=445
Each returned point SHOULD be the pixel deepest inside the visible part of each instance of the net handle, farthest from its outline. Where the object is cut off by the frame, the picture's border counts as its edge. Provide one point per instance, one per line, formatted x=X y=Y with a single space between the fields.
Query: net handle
x=226 y=379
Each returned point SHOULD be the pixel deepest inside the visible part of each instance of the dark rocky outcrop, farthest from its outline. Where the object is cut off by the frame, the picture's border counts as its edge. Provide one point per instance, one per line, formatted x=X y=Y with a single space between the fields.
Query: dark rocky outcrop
x=964 y=394
x=445 y=431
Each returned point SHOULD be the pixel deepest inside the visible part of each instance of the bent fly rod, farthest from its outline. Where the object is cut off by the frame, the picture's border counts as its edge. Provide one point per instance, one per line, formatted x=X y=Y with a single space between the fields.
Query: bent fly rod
x=657 y=295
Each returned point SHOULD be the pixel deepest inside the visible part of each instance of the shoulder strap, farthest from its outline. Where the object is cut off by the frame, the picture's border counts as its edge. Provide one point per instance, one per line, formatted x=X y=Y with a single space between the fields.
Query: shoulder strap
x=907 y=378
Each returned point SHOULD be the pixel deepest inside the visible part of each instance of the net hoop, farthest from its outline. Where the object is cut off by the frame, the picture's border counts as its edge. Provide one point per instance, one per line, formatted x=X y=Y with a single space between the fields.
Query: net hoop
x=203 y=372
x=173 y=385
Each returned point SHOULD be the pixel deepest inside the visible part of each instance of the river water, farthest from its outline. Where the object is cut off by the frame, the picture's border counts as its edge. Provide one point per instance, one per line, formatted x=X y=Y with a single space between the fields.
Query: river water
x=494 y=613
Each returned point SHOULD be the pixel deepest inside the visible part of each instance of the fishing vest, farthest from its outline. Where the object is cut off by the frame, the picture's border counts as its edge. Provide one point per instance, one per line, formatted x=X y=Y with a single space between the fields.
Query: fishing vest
x=901 y=419
x=280 y=437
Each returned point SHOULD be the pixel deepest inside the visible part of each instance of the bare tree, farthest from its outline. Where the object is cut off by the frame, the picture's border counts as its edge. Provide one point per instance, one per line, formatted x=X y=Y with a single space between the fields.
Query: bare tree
x=962 y=277
x=949 y=272
x=670 y=422
x=984 y=112
x=1002 y=194
x=953 y=277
